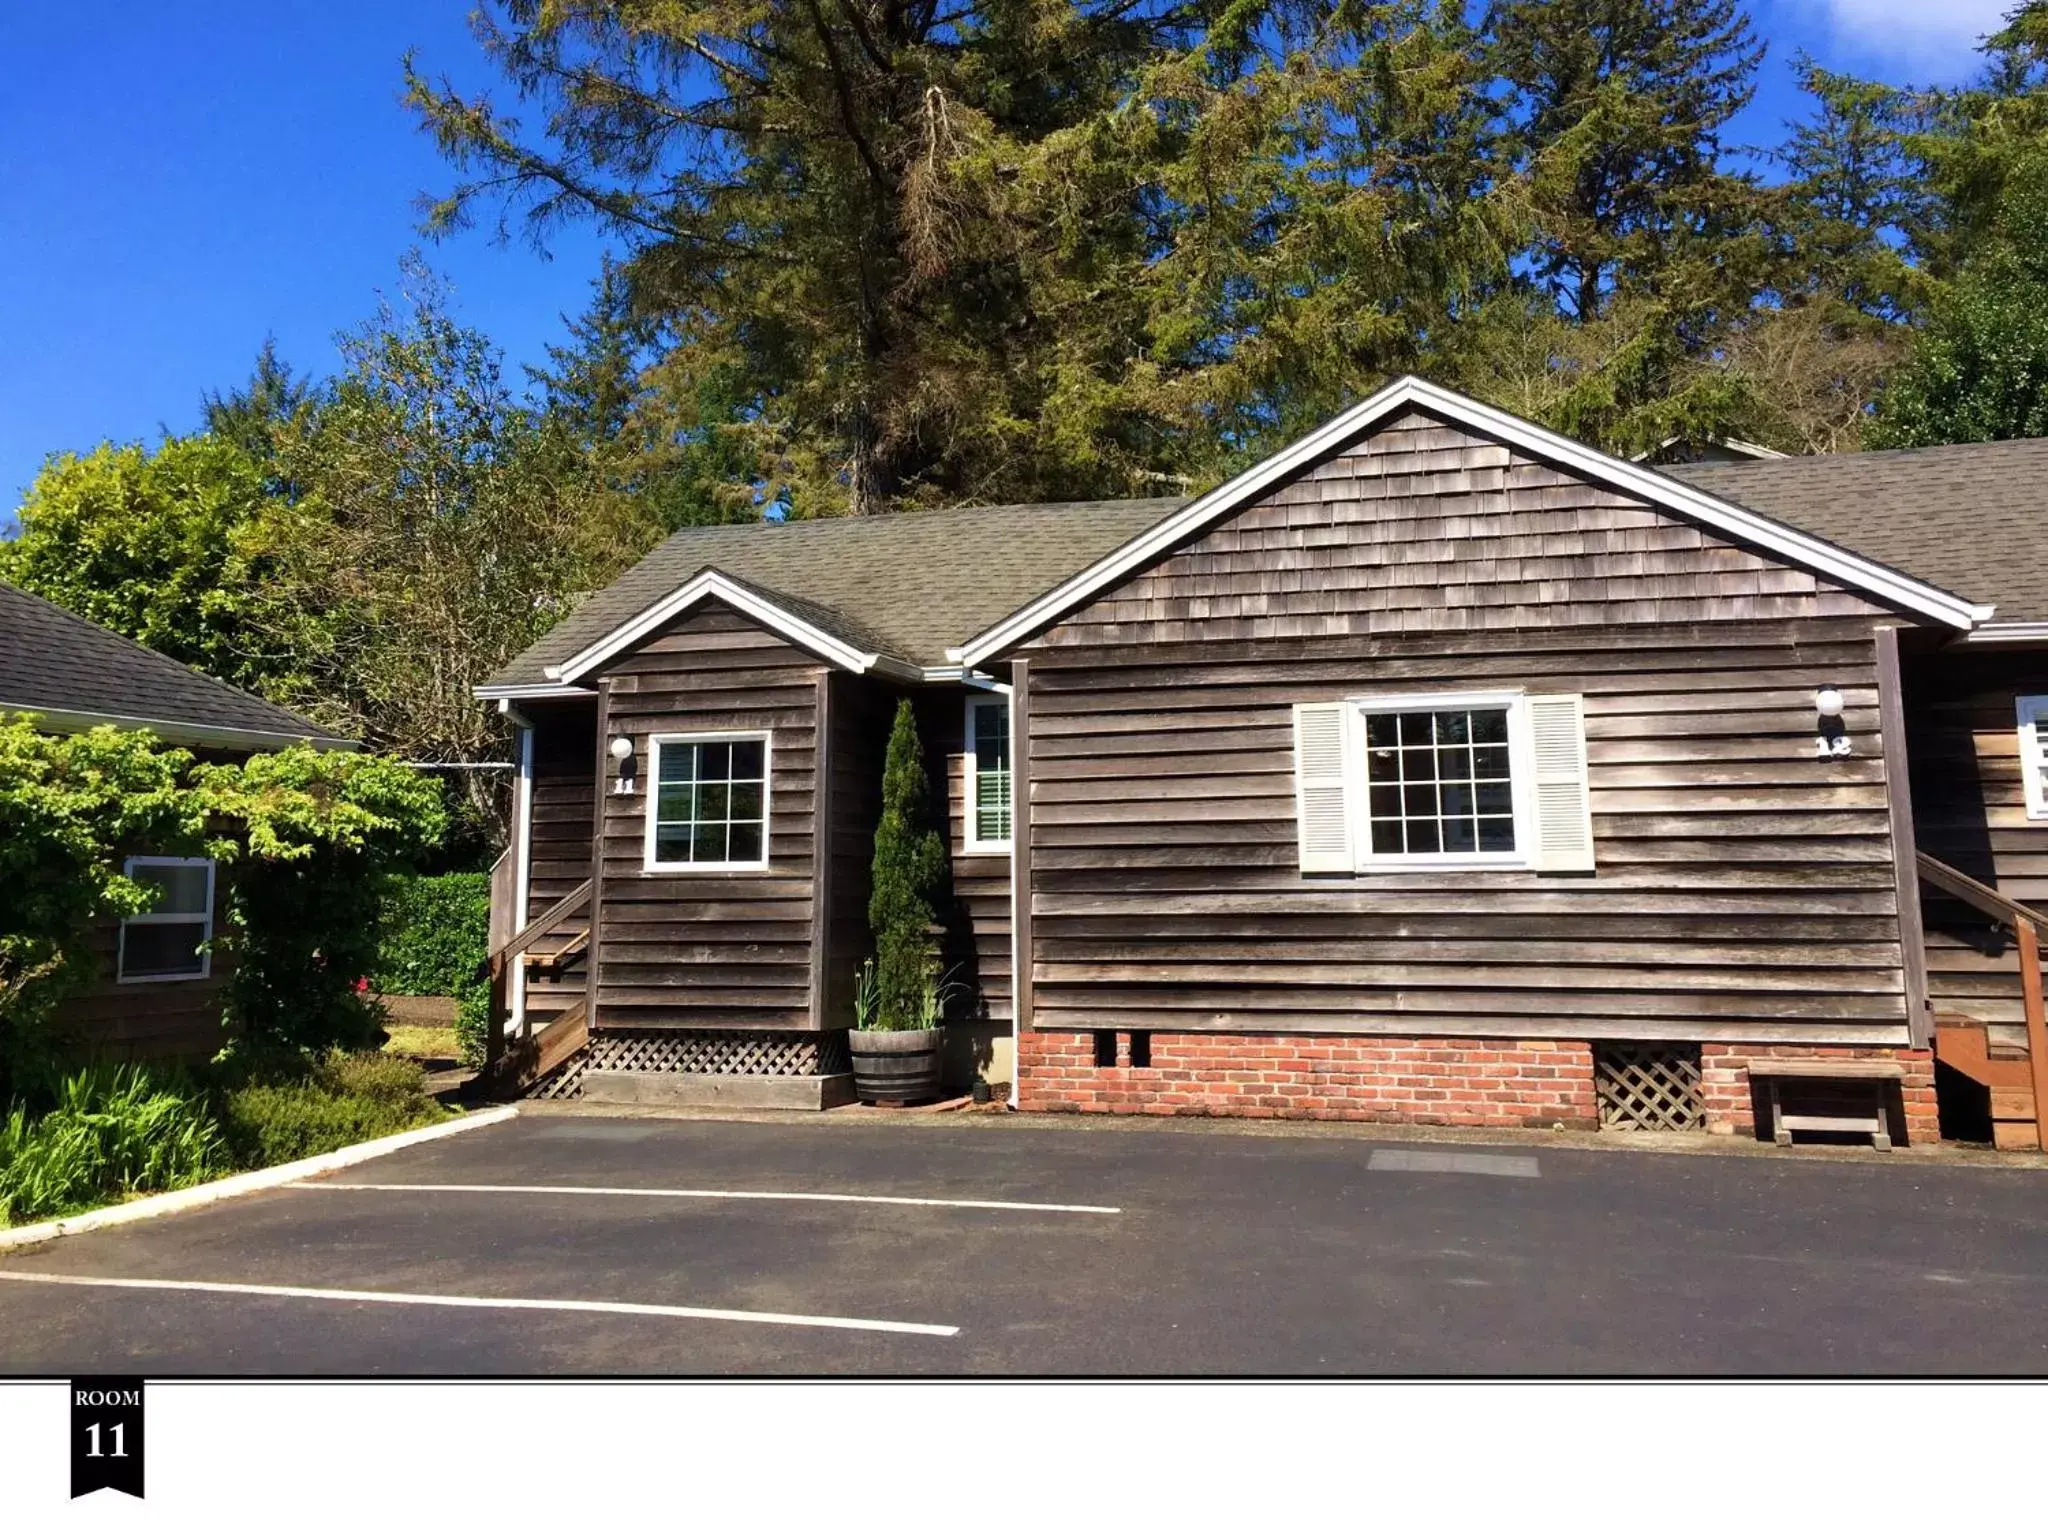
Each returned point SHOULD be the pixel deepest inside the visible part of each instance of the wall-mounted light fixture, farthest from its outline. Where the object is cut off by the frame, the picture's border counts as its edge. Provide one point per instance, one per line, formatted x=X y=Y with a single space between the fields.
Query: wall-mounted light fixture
x=622 y=754
x=1833 y=740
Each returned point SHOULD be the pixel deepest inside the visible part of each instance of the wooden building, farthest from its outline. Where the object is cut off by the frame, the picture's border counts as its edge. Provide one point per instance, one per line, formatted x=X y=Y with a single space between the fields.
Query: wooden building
x=1437 y=769
x=158 y=978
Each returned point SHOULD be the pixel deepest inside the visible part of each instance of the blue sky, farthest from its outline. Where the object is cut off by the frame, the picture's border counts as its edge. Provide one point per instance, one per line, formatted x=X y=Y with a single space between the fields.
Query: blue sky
x=179 y=181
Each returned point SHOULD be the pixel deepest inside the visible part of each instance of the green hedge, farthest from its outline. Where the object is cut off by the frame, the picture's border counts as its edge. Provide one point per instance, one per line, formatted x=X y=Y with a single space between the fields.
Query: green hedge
x=434 y=932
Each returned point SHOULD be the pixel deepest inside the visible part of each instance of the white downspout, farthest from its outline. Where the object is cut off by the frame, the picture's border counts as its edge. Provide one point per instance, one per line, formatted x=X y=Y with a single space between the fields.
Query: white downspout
x=522 y=859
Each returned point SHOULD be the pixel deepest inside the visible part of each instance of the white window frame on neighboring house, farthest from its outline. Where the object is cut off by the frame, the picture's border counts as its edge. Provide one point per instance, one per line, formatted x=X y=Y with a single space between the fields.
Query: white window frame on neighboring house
x=971 y=839
x=136 y=868
x=1548 y=777
x=653 y=866
x=2032 y=710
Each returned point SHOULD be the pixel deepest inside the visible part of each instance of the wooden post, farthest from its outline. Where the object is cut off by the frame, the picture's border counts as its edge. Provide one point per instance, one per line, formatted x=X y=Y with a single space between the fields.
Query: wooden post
x=821 y=853
x=1891 y=730
x=1020 y=854
x=2037 y=1029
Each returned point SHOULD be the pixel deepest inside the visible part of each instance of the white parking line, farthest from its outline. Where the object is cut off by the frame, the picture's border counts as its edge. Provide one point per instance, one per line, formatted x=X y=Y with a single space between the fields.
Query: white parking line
x=711 y=1194
x=488 y=1303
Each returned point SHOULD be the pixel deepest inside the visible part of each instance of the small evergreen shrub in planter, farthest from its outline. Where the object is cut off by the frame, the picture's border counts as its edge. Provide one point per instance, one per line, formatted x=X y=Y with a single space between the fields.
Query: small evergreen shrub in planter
x=898 y=1039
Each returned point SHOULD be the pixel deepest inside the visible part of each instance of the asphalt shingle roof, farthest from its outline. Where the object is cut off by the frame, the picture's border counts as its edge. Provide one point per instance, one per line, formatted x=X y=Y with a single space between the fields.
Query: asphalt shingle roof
x=907 y=585
x=1963 y=517
x=51 y=659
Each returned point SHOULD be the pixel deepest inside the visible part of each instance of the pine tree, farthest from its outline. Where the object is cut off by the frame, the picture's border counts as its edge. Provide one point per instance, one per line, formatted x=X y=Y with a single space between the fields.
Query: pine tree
x=249 y=416
x=1007 y=250
x=1614 y=109
x=909 y=876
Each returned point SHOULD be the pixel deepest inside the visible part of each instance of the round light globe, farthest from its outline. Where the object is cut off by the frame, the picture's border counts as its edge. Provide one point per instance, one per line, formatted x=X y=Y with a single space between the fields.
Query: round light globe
x=1829 y=702
x=622 y=747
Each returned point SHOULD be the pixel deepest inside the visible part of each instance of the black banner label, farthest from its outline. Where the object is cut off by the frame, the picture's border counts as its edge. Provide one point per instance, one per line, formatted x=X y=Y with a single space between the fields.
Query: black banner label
x=106 y=1434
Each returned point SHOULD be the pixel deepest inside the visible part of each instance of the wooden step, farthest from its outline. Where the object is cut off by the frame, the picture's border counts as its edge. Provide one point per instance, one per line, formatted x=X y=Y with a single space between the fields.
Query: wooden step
x=1960 y=1042
x=527 y=1061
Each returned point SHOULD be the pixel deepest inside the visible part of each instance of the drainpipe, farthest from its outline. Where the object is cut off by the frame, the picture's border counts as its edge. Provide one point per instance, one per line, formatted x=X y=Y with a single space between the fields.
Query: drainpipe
x=522 y=857
x=982 y=680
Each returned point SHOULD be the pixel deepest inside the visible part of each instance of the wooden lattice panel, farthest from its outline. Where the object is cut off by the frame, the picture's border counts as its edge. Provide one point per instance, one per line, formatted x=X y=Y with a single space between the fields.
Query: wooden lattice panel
x=1648 y=1087
x=726 y=1052
x=565 y=1082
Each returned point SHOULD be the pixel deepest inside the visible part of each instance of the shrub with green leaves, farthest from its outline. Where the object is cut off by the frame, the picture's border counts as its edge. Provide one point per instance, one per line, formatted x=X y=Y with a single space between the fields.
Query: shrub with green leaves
x=435 y=934
x=113 y=1132
x=280 y=1116
x=307 y=838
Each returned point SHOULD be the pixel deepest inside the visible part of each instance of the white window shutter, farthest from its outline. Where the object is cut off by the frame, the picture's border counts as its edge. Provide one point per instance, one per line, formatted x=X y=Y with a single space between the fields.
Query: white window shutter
x=2033 y=711
x=1563 y=804
x=1322 y=738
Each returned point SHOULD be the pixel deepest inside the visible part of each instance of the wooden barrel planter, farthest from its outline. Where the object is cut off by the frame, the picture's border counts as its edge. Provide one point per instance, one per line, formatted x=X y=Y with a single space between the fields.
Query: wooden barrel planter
x=896 y=1066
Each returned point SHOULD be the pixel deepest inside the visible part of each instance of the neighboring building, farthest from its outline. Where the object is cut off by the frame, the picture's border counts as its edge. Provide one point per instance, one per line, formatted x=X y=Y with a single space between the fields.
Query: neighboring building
x=158 y=990
x=1437 y=769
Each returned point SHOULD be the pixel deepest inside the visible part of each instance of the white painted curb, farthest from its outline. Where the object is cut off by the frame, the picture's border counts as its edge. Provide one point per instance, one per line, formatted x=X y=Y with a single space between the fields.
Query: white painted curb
x=246 y=1183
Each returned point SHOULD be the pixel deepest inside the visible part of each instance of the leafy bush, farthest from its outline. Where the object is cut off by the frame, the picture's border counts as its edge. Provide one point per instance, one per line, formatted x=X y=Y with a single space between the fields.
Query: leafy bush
x=434 y=931
x=310 y=838
x=114 y=1131
x=473 y=1022
x=340 y=1101
x=435 y=935
x=109 y=1132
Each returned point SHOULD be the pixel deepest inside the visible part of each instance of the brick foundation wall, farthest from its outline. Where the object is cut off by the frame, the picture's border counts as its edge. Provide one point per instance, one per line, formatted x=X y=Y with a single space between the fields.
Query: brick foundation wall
x=1318 y=1077
x=1732 y=1106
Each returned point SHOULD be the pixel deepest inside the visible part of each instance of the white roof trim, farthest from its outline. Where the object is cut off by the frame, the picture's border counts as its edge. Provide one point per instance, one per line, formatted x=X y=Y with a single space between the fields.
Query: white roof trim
x=1853 y=570
x=532 y=691
x=2013 y=632
x=710 y=584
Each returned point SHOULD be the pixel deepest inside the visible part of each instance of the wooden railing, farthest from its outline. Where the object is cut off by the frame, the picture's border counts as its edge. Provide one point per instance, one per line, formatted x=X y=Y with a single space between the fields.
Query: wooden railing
x=2027 y=926
x=507 y=954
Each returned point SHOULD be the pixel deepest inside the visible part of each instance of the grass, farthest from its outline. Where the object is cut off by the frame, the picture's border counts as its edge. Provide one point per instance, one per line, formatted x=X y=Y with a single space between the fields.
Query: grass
x=106 y=1134
x=423 y=1042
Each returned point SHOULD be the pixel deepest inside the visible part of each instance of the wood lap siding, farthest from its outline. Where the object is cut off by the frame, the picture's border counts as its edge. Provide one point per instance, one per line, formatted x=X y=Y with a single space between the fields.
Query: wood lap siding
x=1970 y=811
x=1744 y=890
x=861 y=712
x=564 y=790
x=147 y=1020
x=714 y=951
x=978 y=943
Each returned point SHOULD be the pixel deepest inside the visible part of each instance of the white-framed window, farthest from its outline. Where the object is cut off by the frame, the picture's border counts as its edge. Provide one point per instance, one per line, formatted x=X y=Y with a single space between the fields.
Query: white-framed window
x=1473 y=780
x=988 y=775
x=707 y=802
x=2033 y=723
x=171 y=941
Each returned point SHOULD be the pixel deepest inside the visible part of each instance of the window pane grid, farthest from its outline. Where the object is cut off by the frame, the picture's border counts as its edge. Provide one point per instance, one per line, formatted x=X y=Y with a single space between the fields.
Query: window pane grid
x=991 y=743
x=1440 y=782
x=710 y=802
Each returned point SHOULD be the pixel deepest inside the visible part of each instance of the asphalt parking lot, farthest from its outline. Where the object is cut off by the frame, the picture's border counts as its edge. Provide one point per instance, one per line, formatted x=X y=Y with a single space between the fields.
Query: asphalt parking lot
x=999 y=1246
